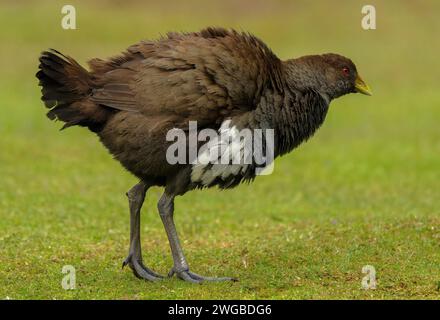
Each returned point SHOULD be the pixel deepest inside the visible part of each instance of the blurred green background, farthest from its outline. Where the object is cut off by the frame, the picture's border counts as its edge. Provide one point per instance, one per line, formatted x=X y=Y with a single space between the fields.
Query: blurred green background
x=364 y=191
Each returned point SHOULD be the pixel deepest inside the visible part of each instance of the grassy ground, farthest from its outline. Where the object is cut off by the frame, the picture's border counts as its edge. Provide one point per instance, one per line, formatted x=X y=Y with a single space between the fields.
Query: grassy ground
x=364 y=191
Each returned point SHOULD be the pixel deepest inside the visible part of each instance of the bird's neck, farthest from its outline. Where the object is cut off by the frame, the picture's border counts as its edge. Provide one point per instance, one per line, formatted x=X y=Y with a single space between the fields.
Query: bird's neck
x=295 y=116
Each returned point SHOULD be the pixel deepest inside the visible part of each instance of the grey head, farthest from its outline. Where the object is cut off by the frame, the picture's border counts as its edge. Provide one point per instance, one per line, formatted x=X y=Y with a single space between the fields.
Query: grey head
x=330 y=74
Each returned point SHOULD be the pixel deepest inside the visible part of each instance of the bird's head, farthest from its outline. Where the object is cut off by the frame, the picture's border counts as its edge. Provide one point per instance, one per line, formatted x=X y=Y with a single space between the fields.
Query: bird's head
x=330 y=74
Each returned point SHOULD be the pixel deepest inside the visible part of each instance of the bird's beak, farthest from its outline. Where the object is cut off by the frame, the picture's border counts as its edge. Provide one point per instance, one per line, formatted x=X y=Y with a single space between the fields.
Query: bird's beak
x=361 y=86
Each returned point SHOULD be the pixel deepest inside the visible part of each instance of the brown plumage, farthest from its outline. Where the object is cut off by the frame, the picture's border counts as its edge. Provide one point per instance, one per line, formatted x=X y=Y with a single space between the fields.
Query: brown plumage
x=131 y=101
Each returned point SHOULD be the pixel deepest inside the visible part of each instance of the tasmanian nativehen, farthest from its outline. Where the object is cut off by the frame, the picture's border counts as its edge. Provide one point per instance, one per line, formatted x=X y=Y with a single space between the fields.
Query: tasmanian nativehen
x=220 y=79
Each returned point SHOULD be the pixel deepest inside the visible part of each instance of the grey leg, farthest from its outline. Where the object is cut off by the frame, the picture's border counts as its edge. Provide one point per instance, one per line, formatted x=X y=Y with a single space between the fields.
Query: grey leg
x=180 y=268
x=136 y=196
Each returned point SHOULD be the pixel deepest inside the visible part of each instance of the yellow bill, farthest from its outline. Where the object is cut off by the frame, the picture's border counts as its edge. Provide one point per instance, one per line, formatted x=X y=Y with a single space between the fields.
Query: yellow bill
x=362 y=87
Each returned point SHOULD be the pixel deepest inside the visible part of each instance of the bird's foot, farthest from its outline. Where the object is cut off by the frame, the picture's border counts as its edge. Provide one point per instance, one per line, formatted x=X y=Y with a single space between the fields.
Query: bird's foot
x=192 y=277
x=140 y=270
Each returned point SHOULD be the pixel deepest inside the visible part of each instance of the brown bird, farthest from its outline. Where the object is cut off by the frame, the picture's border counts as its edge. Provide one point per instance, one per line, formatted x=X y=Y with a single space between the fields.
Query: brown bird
x=223 y=80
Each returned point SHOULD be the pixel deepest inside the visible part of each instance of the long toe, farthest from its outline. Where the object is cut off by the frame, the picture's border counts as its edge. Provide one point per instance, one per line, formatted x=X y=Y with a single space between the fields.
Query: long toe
x=140 y=270
x=203 y=278
x=192 y=277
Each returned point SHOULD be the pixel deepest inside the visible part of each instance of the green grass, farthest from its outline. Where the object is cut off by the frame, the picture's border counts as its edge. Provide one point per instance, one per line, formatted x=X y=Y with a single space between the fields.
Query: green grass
x=364 y=191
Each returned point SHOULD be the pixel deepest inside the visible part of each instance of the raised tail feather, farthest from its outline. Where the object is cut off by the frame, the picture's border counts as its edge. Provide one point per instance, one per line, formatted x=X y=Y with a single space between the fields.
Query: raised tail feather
x=66 y=90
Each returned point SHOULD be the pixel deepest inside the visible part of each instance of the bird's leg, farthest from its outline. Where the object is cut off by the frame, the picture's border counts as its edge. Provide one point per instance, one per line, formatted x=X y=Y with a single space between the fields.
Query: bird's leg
x=180 y=268
x=136 y=197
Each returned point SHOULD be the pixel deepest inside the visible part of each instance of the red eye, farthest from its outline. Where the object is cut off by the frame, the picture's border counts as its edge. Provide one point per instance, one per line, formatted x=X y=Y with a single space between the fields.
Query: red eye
x=346 y=71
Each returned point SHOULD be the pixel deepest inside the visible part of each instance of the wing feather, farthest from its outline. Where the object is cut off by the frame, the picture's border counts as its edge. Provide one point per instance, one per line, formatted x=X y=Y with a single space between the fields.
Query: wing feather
x=206 y=76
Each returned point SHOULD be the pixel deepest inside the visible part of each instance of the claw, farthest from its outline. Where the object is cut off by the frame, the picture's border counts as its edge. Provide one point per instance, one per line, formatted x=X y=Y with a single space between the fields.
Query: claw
x=125 y=262
x=140 y=270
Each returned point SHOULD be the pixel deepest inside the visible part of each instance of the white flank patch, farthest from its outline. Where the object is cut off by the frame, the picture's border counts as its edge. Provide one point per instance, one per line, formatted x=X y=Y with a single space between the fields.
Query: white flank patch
x=225 y=155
